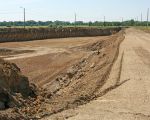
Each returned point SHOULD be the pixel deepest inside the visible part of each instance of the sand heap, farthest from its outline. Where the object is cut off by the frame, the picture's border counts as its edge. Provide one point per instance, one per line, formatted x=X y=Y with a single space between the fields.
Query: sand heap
x=12 y=85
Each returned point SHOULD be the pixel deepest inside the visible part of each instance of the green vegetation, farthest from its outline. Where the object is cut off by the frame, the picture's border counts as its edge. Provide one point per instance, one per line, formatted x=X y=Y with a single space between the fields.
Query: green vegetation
x=57 y=24
x=144 y=28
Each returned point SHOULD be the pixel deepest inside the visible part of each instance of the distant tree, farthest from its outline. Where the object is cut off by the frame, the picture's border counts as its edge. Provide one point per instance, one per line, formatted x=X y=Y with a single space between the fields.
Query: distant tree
x=132 y=22
x=58 y=23
x=90 y=23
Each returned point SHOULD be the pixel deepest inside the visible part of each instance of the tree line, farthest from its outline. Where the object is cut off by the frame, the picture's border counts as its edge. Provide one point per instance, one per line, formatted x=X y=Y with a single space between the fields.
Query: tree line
x=77 y=23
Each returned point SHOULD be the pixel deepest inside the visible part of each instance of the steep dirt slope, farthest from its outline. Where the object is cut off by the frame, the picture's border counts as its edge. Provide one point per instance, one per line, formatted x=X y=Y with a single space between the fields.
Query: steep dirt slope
x=80 y=83
x=14 y=90
x=126 y=95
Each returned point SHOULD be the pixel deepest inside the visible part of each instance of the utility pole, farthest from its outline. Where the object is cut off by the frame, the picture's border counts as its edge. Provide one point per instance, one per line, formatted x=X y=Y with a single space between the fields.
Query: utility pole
x=141 y=18
x=104 y=20
x=122 y=21
x=75 y=19
x=137 y=20
x=24 y=15
x=147 y=17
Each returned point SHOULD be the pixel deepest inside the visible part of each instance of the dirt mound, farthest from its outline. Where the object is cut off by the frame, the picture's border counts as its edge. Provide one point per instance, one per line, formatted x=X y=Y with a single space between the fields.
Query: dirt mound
x=19 y=99
x=12 y=83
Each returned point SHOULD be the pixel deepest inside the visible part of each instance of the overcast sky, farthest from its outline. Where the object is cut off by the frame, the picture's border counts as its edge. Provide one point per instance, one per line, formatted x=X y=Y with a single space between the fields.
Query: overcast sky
x=86 y=10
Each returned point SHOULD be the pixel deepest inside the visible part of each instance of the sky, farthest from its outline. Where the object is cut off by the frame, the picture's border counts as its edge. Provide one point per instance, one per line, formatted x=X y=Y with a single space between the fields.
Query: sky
x=64 y=10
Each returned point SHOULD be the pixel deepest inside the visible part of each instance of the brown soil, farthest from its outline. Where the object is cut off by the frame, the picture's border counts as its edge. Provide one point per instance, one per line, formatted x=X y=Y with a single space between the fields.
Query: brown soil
x=70 y=77
x=126 y=94
x=6 y=52
x=15 y=89
x=18 y=34
x=79 y=83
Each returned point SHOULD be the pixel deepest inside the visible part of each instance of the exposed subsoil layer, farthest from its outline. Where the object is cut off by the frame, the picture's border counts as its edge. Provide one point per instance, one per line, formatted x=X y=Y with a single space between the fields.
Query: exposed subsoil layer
x=126 y=94
x=18 y=34
x=15 y=90
x=73 y=75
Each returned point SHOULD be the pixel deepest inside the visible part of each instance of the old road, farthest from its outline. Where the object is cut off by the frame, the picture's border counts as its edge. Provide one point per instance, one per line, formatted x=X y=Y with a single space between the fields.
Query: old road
x=126 y=95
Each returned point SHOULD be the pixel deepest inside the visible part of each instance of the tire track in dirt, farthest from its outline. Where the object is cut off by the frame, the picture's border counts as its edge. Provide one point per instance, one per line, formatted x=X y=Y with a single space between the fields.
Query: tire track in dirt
x=99 y=92
x=117 y=81
x=131 y=100
x=106 y=76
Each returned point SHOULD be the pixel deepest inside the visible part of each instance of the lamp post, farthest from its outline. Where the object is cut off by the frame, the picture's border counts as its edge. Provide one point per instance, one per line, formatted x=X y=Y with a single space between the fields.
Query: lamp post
x=75 y=17
x=122 y=20
x=24 y=14
x=147 y=17
x=104 y=21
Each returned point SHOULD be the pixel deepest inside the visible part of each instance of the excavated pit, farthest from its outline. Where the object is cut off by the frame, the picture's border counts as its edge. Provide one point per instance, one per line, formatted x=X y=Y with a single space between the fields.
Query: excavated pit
x=68 y=87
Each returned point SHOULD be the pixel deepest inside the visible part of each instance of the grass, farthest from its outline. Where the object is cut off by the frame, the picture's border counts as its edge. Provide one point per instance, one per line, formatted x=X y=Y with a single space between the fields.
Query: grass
x=144 y=28
x=23 y=27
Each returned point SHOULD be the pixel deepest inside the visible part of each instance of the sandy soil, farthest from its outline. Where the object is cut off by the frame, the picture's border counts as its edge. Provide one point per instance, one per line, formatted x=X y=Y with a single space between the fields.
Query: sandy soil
x=73 y=71
x=126 y=95
x=49 y=57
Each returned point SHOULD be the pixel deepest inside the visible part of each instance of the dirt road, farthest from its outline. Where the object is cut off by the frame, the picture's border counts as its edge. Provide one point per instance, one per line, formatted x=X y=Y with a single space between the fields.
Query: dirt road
x=126 y=95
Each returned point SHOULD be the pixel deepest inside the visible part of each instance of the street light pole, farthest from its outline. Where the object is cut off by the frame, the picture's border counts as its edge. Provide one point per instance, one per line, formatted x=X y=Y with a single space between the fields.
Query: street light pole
x=104 y=20
x=137 y=20
x=141 y=19
x=24 y=18
x=122 y=21
x=75 y=17
x=147 y=17
x=24 y=15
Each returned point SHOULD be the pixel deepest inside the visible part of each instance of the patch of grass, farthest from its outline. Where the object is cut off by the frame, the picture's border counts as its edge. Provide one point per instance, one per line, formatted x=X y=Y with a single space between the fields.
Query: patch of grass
x=144 y=27
x=23 y=27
